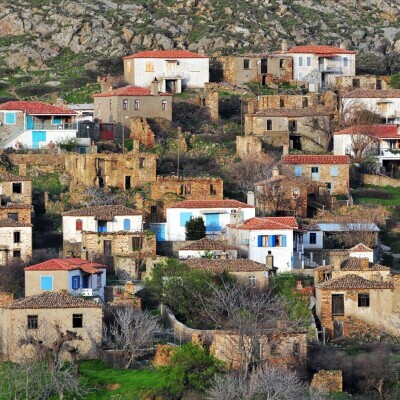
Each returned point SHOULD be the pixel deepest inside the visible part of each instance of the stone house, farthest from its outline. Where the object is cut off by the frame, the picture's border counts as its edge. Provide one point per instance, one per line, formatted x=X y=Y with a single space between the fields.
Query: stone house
x=38 y=316
x=70 y=275
x=117 y=107
x=362 y=82
x=355 y=296
x=331 y=170
x=174 y=70
x=16 y=241
x=32 y=124
x=215 y=213
x=123 y=171
x=17 y=212
x=208 y=248
x=109 y=220
x=266 y=238
x=15 y=189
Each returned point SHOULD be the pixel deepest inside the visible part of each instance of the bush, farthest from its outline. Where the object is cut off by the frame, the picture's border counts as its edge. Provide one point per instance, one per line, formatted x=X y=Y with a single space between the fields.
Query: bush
x=395 y=81
x=195 y=229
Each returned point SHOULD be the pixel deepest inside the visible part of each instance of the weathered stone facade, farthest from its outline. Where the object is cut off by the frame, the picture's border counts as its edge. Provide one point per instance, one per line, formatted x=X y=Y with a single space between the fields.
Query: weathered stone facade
x=141 y=131
x=380 y=180
x=42 y=163
x=328 y=381
x=248 y=146
x=21 y=213
x=363 y=82
x=15 y=189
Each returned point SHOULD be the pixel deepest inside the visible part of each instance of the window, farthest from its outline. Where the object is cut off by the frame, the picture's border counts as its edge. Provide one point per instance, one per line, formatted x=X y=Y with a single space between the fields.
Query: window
x=213 y=191
x=308 y=61
x=141 y=163
x=46 y=283
x=337 y=304
x=334 y=171
x=78 y=225
x=17 y=253
x=293 y=126
x=184 y=190
x=9 y=118
x=300 y=61
x=298 y=170
x=127 y=224
x=32 y=322
x=164 y=105
x=17 y=187
x=136 y=243
x=149 y=67
x=99 y=280
x=272 y=241
x=76 y=282
x=363 y=299
x=314 y=170
x=77 y=320
x=304 y=102
x=125 y=104
x=281 y=66
x=281 y=103
x=269 y=124
x=313 y=238
x=127 y=182
x=246 y=63
x=252 y=281
x=329 y=187
x=379 y=84
x=356 y=83
x=102 y=226
x=17 y=237
x=137 y=105
x=107 y=248
x=345 y=62
x=184 y=217
x=110 y=104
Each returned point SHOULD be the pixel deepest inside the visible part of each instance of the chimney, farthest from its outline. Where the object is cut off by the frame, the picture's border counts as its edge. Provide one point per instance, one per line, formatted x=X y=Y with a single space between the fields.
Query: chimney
x=154 y=87
x=284 y=46
x=270 y=261
x=201 y=51
x=285 y=150
x=84 y=253
x=275 y=172
x=364 y=263
x=342 y=46
x=250 y=198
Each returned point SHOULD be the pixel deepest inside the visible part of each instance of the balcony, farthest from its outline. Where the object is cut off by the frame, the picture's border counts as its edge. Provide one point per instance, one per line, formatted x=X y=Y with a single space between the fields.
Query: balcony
x=86 y=292
x=390 y=154
x=213 y=229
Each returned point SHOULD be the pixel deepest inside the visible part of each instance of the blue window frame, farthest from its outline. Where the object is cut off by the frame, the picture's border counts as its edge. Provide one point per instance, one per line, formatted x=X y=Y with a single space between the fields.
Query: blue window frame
x=184 y=217
x=102 y=226
x=46 y=283
x=76 y=282
x=298 y=170
x=334 y=171
x=272 y=241
x=9 y=118
x=127 y=224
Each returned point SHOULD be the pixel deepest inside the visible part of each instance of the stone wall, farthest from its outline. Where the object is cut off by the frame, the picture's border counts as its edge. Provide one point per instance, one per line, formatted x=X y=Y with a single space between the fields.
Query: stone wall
x=328 y=381
x=24 y=212
x=43 y=163
x=364 y=82
x=379 y=180
x=248 y=146
x=330 y=256
x=141 y=131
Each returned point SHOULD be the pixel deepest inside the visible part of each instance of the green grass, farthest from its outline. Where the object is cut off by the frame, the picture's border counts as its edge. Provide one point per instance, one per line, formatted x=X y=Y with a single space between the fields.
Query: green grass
x=131 y=382
x=48 y=183
x=392 y=193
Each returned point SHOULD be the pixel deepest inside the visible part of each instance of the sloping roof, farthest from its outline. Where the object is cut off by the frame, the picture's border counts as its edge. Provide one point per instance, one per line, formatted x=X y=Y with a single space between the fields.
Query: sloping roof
x=211 y=204
x=67 y=264
x=102 y=213
x=129 y=91
x=261 y=223
x=388 y=131
x=360 y=247
x=320 y=50
x=355 y=264
x=352 y=281
x=346 y=227
x=208 y=244
x=165 y=54
x=7 y=177
x=372 y=93
x=35 y=108
x=237 y=265
x=315 y=159
x=296 y=181
x=53 y=300
x=10 y=223
x=291 y=112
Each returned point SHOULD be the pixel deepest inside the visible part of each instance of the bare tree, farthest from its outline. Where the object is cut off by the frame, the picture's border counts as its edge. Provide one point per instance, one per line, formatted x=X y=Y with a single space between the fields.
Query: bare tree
x=133 y=332
x=95 y=196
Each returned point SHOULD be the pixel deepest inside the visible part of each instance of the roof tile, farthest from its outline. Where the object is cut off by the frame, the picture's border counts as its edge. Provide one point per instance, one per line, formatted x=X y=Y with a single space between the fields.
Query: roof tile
x=372 y=94
x=292 y=112
x=166 y=54
x=211 y=204
x=218 y=266
x=102 y=213
x=208 y=244
x=355 y=264
x=352 y=281
x=320 y=50
x=261 y=223
x=35 y=108
x=315 y=159
x=129 y=91
x=10 y=223
x=67 y=264
x=388 y=131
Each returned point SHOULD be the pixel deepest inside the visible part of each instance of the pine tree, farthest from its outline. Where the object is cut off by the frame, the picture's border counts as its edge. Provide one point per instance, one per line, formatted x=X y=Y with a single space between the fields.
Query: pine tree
x=195 y=229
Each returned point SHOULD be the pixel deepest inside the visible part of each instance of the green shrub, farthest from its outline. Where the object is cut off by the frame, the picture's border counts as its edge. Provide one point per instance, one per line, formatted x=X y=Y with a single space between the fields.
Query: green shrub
x=195 y=229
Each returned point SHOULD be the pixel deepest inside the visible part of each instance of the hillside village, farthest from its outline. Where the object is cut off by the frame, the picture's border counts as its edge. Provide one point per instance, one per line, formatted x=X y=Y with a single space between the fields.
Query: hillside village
x=192 y=185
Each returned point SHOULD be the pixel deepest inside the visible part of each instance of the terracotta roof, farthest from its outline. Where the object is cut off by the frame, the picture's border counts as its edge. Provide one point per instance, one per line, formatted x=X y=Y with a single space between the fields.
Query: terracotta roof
x=67 y=264
x=10 y=223
x=165 y=54
x=7 y=177
x=315 y=159
x=208 y=244
x=352 y=281
x=237 y=265
x=129 y=91
x=371 y=93
x=296 y=181
x=261 y=223
x=388 y=131
x=35 y=108
x=360 y=247
x=53 y=300
x=102 y=213
x=320 y=50
x=291 y=112
x=211 y=204
x=16 y=206
x=355 y=264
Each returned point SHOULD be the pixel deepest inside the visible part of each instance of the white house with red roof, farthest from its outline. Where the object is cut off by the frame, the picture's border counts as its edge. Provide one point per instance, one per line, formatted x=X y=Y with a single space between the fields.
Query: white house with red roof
x=72 y=275
x=217 y=214
x=258 y=238
x=33 y=124
x=175 y=70
x=320 y=65
x=381 y=141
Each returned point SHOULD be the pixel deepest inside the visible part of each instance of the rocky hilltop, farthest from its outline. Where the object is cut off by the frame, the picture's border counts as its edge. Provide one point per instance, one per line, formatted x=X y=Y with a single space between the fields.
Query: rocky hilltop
x=43 y=35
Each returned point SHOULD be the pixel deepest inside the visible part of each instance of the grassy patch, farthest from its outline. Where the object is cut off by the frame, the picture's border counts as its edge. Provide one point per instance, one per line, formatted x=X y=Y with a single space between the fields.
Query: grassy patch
x=385 y=196
x=48 y=183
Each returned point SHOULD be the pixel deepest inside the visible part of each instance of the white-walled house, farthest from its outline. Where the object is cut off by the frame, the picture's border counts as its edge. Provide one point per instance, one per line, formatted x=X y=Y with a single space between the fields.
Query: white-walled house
x=259 y=237
x=217 y=214
x=175 y=70
x=320 y=65
x=73 y=275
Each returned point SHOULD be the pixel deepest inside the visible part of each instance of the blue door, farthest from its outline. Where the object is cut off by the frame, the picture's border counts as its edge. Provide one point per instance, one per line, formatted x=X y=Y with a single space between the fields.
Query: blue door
x=85 y=281
x=159 y=231
x=37 y=137
x=212 y=223
x=29 y=122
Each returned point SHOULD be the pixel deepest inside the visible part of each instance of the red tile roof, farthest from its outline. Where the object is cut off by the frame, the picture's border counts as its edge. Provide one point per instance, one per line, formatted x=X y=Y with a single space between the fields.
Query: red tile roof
x=315 y=159
x=102 y=213
x=67 y=264
x=10 y=223
x=208 y=244
x=129 y=91
x=165 y=54
x=292 y=112
x=384 y=131
x=219 y=266
x=360 y=247
x=372 y=94
x=356 y=264
x=261 y=223
x=53 y=300
x=211 y=204
x=320 y=50
x=35 y=108
x=352 y=281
